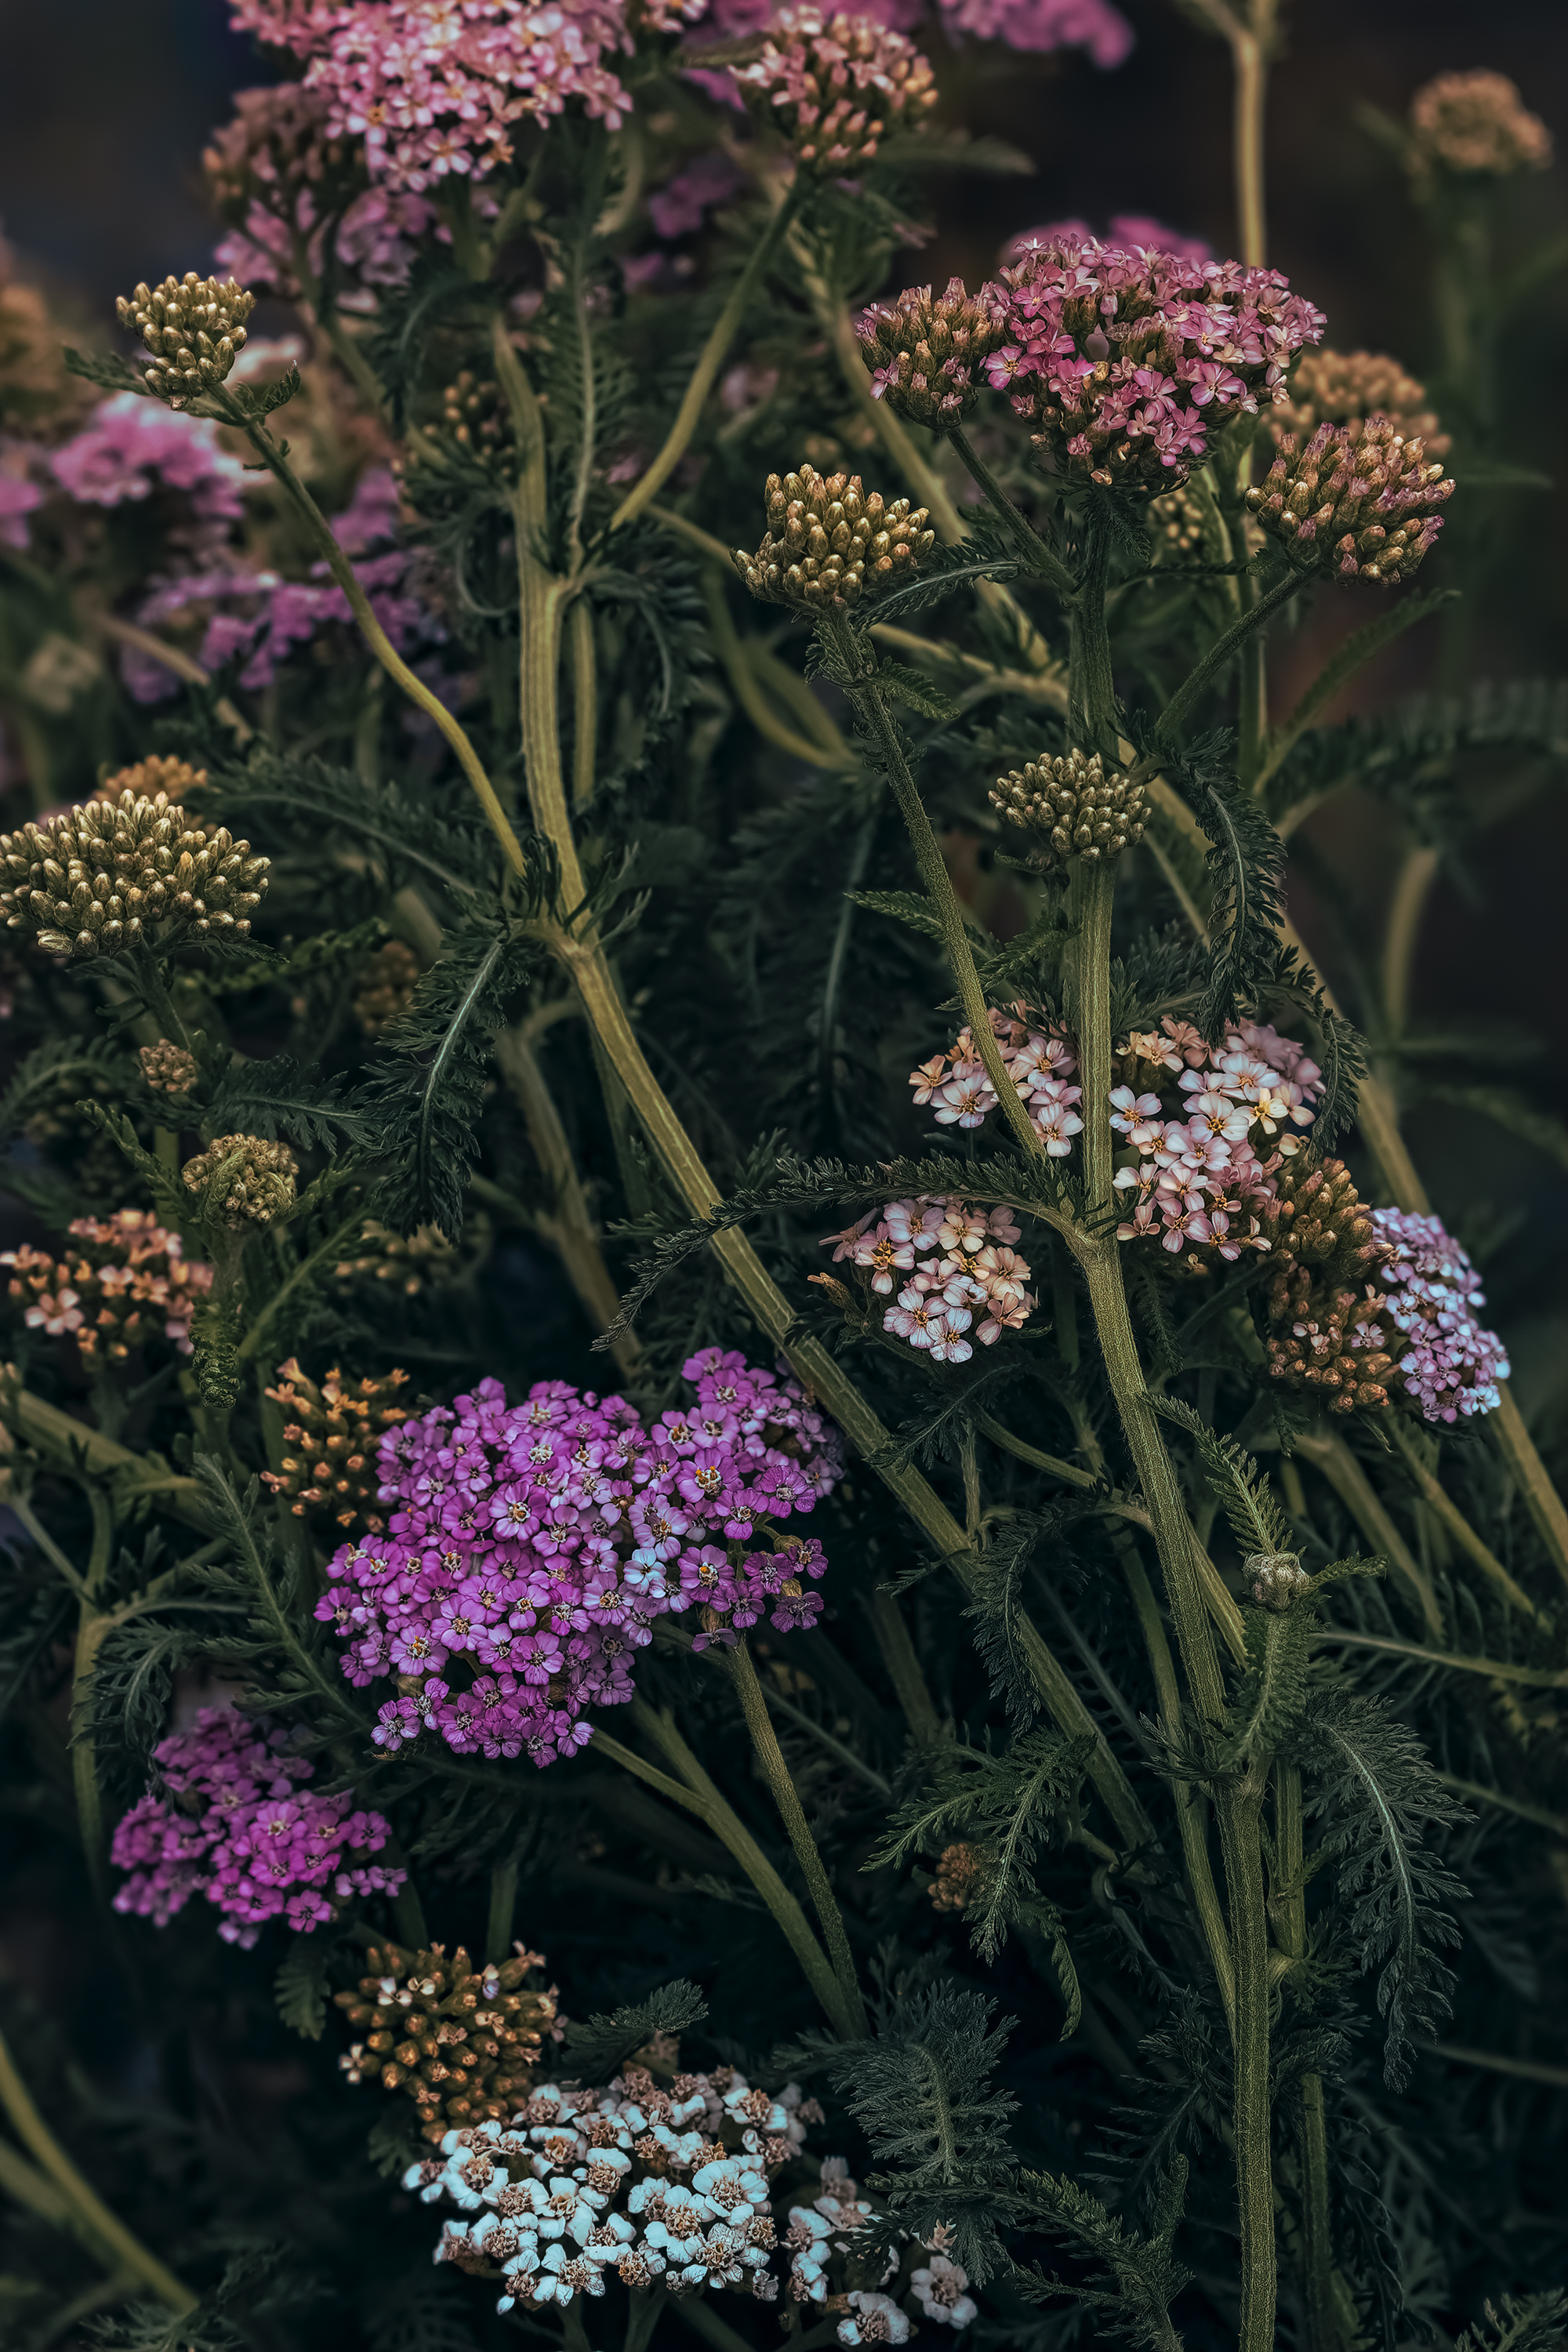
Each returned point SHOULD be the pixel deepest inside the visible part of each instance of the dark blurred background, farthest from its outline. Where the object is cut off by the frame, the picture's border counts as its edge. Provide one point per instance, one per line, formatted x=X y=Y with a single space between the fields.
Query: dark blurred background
x=105 y=106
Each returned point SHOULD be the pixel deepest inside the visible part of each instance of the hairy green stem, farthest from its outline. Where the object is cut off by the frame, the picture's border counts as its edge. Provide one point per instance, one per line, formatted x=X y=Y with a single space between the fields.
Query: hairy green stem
x=585 y=701
x=792 y=1812
x=89 y=2208
x=1039 y=559
x=1091 y=691
x=1237 y=1813
x=699 y=1794
x=715 y=351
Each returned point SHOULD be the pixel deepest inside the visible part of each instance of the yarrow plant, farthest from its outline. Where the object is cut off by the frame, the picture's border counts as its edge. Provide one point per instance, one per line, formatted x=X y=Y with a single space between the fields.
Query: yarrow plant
x=530 y=1549
x=238 y=1828
x=1024 y=1586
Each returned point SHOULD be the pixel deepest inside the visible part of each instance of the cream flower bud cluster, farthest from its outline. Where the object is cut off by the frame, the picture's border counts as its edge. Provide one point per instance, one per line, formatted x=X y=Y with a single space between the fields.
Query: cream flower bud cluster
x=827 y=544
x=1072 y=806
x=194 y=329
x=111 y=873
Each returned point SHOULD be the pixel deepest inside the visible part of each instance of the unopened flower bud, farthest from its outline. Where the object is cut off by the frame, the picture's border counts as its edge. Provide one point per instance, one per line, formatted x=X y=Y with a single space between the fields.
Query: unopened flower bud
x=140 y=862
x=835 y=85
x=242 y=1179
x=192 y=326
x=1365 y=503
x=1073 y=806
x=1277 y=1579
x=830 y=546
x=922 y=351
x=168 y=1069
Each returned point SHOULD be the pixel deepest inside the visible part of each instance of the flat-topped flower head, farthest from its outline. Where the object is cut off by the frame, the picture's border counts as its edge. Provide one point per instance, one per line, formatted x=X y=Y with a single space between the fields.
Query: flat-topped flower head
x=413 y=2012
x=1348 y=387
x=924 y=351
x=1072 y=807
x=1127 y=359
x=330 y=1469
x=836 y=85
x=119 y=1282
x=194 y=329
x=1365 y=505
x=244 y=1180
x=1475 y=125
x=828 y=545
x=114 y=874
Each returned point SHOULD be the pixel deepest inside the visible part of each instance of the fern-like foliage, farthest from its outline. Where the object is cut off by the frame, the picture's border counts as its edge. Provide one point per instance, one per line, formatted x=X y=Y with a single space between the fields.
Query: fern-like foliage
x=923 y=2093
x=424 y=1099
x=217 y=2322
x=1531 y=2323
x=1273 y=1690
x=278 y=1097
x=1370 y=1785
x=1244 y=1495
x=299 y=1988
x=596 y=2046
x=1135 y=2279
x=432 y=839
x=44 y=1077
x=1247 y=874
x=1007 y=1806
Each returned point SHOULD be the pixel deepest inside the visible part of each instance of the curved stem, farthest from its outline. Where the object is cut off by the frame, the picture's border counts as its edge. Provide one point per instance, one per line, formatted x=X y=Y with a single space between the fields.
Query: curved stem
x=1039 y=557
x=1433 y=1492
x=734 y=652
x=1350 y=1481
x=715 y=351
x=585 y=701
x=376 y=637
x=89 y=2207
x=700 y=1795
x=1411 y=892
x=764 y=1739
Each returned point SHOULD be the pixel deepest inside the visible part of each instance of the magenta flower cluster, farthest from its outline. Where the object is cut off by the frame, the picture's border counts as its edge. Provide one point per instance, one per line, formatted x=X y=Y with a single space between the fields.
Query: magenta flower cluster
x=1126 y=358
x=947 y=1262
x=132 y=447
x=434 y=87
x=1451 y=1362
x=238 y=1828
x=530 y=1549
x=259 y=617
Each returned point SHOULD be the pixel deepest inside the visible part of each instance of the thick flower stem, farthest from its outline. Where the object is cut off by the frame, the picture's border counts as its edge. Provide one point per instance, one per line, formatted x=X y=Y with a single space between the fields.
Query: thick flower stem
x=1091 y=691
x=103 y=2227
x=715 y=351
x=1038 y=557
x=943 y=899
x=701 y=1795
x=764 y=1739
x=1238 y=1813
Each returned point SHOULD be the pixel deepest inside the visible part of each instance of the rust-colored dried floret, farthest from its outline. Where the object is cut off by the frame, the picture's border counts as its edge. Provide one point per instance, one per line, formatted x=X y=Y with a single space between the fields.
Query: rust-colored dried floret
x=331 y=1471
x=461 y=2041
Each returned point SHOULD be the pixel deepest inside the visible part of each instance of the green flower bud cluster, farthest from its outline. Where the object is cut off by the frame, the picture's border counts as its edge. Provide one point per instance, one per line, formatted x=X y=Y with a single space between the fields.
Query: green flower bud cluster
x=1081 y=811
x=194 y=329
x=244 y=1180
x=829 y=545
x=112 y=873
x=1365 y=502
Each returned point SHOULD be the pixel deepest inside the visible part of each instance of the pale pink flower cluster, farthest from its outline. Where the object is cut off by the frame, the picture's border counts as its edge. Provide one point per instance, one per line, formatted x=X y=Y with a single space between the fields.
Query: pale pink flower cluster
x=1040 y=1064
x=432 y=87
x=1202 y=1173
x=946 y=1262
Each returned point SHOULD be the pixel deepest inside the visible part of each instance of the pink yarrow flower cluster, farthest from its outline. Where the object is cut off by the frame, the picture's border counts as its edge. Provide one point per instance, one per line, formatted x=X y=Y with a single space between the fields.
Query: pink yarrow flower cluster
x=130 y=447
x=1451 y=1363
x=946 y=1263
x=1202 y=1172
x=1125 y=358
x=530 y=1549
x=434 y=87
x=238 y=1827
x=1040 y=1063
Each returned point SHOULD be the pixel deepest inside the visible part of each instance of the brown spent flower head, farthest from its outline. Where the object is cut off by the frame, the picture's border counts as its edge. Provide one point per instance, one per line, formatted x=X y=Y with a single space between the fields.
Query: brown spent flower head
x=148 y=778
x=426 y=1256
x=194 y=329
x=1347 y=387
x=246 y=1179
x=922 y=349
x=1469 y=123
x=461 y=2042
x=960 y=1872
x=168 y=1069
x=828 y=545
x=112 y=873
x=1367 y=504
x=1072 y=806
x=1276 y=1578
x=127 y=1281
x=1327 y=1330
x=336 y=1474
x=477 y=417
x=384 y=989
x=37 y=392
x=837 y=85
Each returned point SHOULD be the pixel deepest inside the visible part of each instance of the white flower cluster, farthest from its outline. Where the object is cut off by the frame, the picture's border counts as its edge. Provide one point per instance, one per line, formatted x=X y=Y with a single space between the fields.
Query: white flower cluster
x=948 y=1261
x=829 y=2228
x=1039 y=1061
x=584 y=2182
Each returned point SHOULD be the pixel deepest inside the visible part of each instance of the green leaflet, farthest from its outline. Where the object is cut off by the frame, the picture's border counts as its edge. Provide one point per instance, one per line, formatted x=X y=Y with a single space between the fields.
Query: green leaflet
x=597 y=2046
x=299 y=1988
